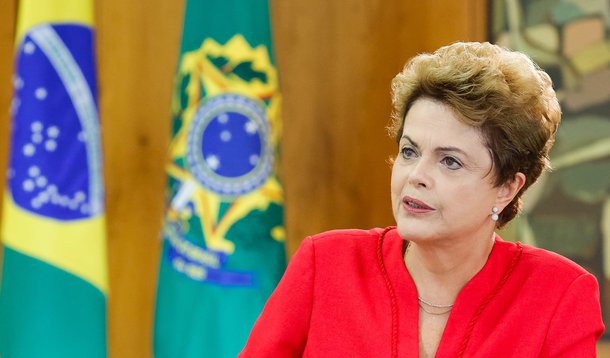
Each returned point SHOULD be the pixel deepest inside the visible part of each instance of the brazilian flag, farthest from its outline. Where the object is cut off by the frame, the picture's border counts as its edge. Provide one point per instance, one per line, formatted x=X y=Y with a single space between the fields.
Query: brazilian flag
x=54 y=274
x=223 y=238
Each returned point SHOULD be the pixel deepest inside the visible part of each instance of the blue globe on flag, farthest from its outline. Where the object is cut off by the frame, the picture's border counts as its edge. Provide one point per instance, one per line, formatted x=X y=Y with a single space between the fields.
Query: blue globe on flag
x=55 y=127
x=228 y=145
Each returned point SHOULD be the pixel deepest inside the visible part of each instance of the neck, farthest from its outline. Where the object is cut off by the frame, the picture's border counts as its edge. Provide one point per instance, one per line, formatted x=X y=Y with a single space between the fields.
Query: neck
x=440 y=270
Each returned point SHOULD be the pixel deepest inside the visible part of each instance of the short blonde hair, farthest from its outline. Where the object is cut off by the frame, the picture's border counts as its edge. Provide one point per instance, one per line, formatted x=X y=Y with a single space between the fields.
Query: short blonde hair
x=501 y=92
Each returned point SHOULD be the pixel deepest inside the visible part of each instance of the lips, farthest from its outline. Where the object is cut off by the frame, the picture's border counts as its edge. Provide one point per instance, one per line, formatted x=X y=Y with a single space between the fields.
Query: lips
x=413 y=205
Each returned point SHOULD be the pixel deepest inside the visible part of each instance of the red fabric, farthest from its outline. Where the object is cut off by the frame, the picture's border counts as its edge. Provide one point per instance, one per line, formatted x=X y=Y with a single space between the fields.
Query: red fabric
x=348 y=294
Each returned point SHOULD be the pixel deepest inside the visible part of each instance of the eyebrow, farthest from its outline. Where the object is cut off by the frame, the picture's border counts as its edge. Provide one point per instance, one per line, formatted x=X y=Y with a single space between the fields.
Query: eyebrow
x=404 y=136
x=439 y=149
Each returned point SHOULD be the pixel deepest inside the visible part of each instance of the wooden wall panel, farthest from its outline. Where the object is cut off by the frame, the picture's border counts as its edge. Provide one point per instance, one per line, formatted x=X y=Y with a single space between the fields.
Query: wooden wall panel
x=336 y=60
x=138 y=44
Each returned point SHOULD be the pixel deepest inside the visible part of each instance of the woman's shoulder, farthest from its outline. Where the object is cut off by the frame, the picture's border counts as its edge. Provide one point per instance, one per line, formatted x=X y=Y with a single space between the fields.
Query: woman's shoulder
x=538 y=262
x=348 y=236
x=347 y=242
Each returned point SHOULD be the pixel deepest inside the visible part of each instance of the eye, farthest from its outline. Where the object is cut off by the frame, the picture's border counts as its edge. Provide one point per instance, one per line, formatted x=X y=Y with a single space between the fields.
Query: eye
x=407 y=152
x=451 y=163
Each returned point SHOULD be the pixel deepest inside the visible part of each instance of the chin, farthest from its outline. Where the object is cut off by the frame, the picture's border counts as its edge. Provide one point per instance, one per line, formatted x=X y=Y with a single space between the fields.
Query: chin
x=408 y=232
x=415 y=231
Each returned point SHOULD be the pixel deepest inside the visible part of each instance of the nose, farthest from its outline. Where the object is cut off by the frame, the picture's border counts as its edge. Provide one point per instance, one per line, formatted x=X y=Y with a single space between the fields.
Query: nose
x=419 y=175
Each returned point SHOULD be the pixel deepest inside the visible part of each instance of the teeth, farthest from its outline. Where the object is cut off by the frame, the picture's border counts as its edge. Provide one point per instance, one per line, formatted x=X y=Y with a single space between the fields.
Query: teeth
x=413 y=205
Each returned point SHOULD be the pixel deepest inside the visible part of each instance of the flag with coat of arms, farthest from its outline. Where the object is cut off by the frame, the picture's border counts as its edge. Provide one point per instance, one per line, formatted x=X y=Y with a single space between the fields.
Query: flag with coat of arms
x=223 y=237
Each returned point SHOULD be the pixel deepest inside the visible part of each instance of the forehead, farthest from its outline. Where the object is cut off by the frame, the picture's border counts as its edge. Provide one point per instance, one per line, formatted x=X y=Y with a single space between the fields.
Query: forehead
x=433 y=122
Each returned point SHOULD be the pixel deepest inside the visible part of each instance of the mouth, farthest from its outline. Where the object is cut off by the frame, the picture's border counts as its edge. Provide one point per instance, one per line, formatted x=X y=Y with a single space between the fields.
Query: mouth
x=416 y=206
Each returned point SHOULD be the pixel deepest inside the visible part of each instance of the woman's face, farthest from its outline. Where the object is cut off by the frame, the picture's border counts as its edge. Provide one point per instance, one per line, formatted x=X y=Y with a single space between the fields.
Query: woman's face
x=442 y=182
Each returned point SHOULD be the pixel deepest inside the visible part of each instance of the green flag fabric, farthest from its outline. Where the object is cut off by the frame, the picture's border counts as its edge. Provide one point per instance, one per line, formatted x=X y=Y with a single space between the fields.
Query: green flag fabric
x=54 y=275
x=223 y=237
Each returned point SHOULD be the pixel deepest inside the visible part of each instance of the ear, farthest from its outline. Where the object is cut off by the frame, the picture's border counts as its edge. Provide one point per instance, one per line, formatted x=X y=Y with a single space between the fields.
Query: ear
x=508 y=190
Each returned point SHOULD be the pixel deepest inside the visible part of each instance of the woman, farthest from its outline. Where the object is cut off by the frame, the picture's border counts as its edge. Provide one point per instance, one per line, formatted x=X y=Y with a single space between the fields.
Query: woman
x=474 y=124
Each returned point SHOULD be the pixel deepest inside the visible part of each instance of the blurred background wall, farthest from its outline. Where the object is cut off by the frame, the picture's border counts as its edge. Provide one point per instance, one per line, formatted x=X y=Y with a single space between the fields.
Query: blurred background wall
x=335 y=59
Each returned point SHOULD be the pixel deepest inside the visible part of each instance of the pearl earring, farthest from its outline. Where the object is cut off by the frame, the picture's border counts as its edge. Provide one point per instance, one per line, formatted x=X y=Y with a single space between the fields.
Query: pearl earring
x=495 y=215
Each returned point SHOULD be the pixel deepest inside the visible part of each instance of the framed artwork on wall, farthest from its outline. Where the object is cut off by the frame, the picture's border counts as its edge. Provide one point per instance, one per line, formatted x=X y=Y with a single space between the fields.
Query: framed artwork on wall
x=568 y=210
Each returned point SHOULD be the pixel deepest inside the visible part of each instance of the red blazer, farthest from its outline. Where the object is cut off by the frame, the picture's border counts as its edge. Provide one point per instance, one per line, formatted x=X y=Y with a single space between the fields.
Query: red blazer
x=348 y=293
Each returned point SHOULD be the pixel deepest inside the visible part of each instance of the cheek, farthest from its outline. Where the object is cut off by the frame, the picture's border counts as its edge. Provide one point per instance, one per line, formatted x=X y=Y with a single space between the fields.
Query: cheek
x=395 y=187
x=396 y=180
x=470 y=200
